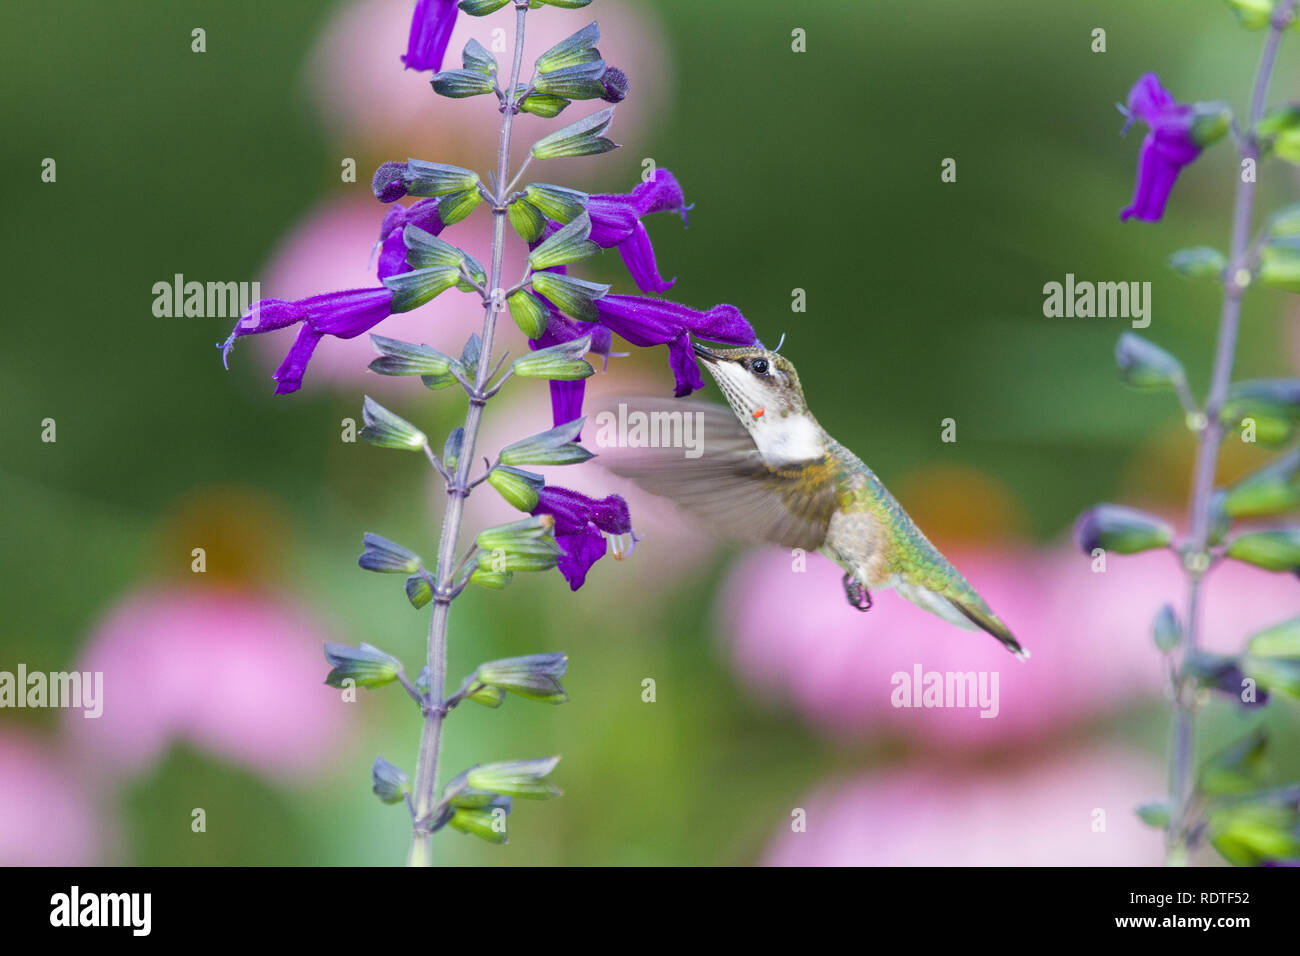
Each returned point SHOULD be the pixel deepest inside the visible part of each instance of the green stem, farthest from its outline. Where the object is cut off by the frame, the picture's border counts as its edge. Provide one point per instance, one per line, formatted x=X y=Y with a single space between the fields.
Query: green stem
x=458 y=489
x=1207 y=451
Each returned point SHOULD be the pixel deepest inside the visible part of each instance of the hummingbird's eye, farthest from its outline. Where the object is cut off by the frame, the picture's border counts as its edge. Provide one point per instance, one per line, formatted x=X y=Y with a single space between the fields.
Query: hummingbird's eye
x=759 y=366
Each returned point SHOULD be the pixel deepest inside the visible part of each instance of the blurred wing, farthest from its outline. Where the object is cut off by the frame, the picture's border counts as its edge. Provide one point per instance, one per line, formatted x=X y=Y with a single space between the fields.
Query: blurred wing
x=727 y=486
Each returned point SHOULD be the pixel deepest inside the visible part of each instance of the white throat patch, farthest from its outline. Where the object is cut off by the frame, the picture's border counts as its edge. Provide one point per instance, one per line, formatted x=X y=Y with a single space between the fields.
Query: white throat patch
x=787 y=441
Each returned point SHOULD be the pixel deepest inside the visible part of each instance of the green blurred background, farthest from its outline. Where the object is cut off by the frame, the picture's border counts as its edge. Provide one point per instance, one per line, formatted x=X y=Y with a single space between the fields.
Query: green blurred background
x=818 y=171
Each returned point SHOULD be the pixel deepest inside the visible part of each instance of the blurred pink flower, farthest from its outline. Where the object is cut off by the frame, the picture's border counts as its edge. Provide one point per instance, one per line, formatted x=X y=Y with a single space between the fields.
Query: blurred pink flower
x=356 y=78
x=1042 y=815
x=46 y=818
x=794 y=636
x=236 y=674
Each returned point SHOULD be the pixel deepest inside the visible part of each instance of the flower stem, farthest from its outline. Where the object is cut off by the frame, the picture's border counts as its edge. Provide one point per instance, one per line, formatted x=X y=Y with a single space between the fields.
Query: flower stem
x=1207 y=451
x=458 y=489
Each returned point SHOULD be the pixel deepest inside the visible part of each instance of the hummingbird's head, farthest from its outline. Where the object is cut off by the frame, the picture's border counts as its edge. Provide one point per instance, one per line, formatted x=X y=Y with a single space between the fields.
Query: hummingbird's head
x=763 y=390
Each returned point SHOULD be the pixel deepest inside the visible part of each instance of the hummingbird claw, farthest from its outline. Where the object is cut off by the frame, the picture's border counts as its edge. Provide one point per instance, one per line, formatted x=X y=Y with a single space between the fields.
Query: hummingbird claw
x=857 y=593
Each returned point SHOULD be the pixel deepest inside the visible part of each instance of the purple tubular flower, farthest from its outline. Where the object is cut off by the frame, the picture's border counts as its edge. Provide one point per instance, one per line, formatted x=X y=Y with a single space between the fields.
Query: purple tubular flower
x=431 y=27
x=1167 y=148
x=388 y=183
x=392 y=254
x=645 y=322
x=343 y=315
x=581 y=527
x=616 y=221
x=566 y=397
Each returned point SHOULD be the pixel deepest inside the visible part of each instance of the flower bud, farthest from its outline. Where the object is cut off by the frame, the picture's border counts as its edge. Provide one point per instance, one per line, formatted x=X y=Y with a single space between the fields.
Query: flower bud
x=390 y=783
x=418 y=590
x=1198 y=262
x=1280 y=640
x=366 y=666
x=1210 y=123
x=552 y=447
x=535 y=677
x=1166 y=630
x=563 y=362
x=615 y=84
x=529 y=313
x=1146 y=365
x=557 y=202
x=1273 y=490
x=516 y=778
x=385 y=556
x=572 y=296
x=565 y=246
x=404 y=358
x=522 y=489
x=574 y=50
x=1238 y=768
x=1255 y=833
x=1277 y=550
x=1120 y=529
x=583 y=138
x=458 y=84
x=387 y=430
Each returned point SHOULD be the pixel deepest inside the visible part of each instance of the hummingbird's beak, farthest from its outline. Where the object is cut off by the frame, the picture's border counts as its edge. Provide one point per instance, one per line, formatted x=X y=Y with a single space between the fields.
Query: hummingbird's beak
x=707 y=354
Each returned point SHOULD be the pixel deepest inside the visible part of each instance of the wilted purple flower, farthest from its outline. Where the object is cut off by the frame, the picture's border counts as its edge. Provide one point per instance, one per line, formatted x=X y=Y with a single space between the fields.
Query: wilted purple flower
x=645 y=322
x=341 y=314
x=581 y=527
x=616 y=221
x=431 y=27
x=392 y=254
x=1178 y=132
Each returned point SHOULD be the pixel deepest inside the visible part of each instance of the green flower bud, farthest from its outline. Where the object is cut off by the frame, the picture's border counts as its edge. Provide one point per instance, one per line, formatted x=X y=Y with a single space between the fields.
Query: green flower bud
x=1146 y=365
x=516 y=778
x=530 y=557
x=578 y=82
x=572 y=296
x=1285 y=223
x=488 y=824
x=557 y=202
x=1277 y=550
x=1252 y=14
x=451 y=448
x=382 y=555
x=1270 y=425
x=527 y=219
x=476 y=57
x=1154 y=814
x=418 y=590
x=1250 y=834
x=419 y=286
x=481 y=8
x=456 y=206
x=390 y=784
x=1166 y=630
x=387 y=430
x=554 y=446
x=1210 y=123
x=544 y=105
x=366 y=666
x=405 y=358
x=458 y=84
x=566 y=245
x=525 y=535
x=529 y=313
x=520 y=488
x=1280 y=640
x=1120 y=529
x=491 y=580
x=487 y=695
x=1279 y=264
x=574 y=50
x=1273 y=490
x=563 y=4
x=583 y=138
x=535 y=677
x=1280 y=674
x=561 y=362
x=438 y=179
x=1236 y=769
x=1198 y=262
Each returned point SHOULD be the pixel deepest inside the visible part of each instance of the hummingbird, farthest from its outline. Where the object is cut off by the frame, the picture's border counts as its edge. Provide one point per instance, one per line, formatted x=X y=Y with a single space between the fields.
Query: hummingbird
x=767 y=472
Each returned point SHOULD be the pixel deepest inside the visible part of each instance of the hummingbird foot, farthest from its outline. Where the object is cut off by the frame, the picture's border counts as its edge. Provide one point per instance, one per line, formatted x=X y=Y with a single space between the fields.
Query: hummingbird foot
x=857 y=593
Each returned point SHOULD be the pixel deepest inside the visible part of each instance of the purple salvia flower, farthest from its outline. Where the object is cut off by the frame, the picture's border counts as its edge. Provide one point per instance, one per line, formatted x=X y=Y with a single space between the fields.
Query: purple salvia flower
x=616 y=221
x=1177 y=134
x=645 y=322
x=582 y=525
x=344 y=315
x=392 y=247
x=566 y=396
x=431 y=27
